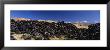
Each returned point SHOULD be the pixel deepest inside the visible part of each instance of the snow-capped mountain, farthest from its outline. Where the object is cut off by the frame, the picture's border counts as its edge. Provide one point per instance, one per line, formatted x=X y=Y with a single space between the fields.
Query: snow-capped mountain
x=20 y=19
x=50 y=21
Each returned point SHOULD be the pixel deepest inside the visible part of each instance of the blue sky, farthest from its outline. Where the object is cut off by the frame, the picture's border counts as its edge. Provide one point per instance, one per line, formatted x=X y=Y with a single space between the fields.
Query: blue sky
x=90 y=16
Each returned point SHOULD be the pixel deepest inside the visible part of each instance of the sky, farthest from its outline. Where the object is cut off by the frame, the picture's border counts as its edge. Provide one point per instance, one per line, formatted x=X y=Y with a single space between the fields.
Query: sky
x=91 y=16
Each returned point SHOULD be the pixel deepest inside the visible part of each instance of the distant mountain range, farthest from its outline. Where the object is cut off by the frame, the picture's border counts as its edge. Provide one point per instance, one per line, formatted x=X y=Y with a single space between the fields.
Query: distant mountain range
x=50 y=21
x=82 y=22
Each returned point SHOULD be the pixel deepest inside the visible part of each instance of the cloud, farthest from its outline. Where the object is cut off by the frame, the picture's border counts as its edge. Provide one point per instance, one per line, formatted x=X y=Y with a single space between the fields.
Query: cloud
x=67 y=22
x=96 y=21
x=13 y=17
x=85 y=21
x=82 y=21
